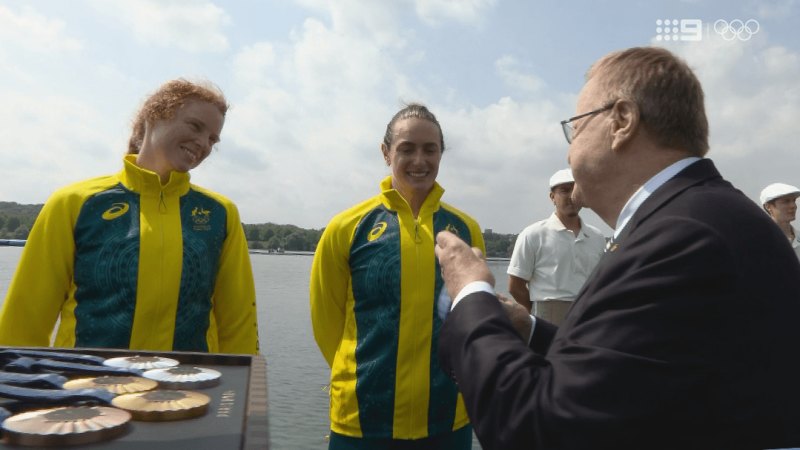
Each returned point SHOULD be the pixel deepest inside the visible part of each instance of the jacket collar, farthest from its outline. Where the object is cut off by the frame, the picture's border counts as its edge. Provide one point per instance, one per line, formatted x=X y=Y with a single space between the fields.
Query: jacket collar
x=394 y=201
x=697 y=173
x=644 y=191
x=147 y=182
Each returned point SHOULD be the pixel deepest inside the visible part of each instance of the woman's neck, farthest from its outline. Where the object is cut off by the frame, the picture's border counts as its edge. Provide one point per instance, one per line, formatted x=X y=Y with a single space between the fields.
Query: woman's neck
x=415 y=204
x=415 y=199
x=147 y=161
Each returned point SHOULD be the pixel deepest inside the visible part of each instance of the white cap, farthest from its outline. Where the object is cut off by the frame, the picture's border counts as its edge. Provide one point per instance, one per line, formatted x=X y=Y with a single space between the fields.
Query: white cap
x=563 y=176
x=776 y=190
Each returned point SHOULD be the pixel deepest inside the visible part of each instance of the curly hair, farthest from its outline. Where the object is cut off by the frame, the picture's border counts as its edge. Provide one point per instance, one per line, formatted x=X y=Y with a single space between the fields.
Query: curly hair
x=162 y=104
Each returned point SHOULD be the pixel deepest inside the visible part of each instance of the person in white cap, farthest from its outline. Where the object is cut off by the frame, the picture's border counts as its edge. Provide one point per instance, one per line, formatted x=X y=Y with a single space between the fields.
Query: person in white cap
x=552 y=258
x=780 y=202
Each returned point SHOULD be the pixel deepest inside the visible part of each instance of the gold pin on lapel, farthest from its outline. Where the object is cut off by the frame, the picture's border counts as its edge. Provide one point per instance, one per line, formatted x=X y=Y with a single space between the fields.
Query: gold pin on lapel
x=611 y=245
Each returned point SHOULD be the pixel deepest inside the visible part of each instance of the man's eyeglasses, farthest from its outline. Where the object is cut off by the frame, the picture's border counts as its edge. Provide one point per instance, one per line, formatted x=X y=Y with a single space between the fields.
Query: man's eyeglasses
x=567 y=127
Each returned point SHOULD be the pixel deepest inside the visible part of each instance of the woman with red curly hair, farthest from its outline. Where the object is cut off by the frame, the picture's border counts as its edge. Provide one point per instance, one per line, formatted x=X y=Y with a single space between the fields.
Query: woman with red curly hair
x=142 y=259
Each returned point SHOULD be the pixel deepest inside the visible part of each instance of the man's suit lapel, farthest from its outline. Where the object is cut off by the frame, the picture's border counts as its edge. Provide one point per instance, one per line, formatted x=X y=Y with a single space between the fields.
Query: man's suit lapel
x=694 y=174
x=699 y=172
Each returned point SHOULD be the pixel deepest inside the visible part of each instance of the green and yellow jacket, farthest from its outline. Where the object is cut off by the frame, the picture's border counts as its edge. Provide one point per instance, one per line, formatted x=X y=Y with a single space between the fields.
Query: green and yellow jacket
x=374 y=284
x=127 y=262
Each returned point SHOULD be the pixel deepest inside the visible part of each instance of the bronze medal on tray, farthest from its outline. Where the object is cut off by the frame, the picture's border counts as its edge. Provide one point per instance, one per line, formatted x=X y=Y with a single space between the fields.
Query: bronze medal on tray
x=71 y=425
x=115 y=384
x=166 y=405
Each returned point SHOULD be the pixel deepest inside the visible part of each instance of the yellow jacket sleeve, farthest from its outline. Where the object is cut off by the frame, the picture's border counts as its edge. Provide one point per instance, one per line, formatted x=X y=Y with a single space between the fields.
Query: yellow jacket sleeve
x=477 y=236
x=329 y=285
x=43 y=278
x=234 y=293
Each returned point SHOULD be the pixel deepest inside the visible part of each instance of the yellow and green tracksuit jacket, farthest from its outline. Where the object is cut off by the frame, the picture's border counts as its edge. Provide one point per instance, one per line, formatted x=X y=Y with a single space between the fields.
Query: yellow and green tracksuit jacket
x=374 y=284
x=130 y=263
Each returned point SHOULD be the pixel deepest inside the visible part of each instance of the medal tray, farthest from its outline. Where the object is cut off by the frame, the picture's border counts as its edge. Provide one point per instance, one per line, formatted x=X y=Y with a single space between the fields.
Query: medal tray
x=236 y=417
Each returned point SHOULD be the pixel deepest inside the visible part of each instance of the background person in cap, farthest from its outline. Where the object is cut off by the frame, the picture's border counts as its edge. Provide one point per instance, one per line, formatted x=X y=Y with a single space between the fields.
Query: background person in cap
x=780 y=202
x=553 y=257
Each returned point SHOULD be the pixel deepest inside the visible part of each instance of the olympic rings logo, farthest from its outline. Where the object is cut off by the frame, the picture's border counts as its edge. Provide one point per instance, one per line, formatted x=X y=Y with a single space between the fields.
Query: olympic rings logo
x=737 y=29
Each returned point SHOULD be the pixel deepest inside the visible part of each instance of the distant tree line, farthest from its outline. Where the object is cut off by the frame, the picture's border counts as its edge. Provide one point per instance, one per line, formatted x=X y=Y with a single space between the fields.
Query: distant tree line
x=16 y=221
x=270 y=236
x=499 y=245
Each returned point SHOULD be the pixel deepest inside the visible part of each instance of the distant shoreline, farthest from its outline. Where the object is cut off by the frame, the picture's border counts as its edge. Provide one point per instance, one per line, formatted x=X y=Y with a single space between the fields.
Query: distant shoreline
x=283 y=252
x=16 y=221
x=20 y=243
x=303 y=253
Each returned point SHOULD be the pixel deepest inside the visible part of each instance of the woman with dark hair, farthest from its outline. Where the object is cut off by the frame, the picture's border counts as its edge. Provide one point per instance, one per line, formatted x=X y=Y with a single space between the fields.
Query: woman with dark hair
x=375 y=282
x=141 y=259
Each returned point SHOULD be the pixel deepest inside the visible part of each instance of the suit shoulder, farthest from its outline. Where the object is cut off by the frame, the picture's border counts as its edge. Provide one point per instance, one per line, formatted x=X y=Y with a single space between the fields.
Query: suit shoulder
x=717 y=202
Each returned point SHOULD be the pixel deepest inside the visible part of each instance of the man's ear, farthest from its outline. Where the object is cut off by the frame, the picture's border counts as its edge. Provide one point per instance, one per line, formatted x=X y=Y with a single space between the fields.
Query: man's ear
x=625 y=123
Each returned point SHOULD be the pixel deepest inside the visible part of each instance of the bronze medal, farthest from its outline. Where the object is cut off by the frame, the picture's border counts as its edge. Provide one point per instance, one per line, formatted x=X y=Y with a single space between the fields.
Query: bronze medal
x=155 y=406
x=115 y=384
x=72 y=425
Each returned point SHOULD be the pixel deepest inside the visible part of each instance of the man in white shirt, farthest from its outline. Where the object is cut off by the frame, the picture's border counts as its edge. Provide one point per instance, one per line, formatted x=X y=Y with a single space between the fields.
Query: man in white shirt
x=780 y=202
x=552 y=258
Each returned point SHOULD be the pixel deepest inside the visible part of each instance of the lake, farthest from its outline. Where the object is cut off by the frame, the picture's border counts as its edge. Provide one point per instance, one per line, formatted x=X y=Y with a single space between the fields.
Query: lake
x=296 y=372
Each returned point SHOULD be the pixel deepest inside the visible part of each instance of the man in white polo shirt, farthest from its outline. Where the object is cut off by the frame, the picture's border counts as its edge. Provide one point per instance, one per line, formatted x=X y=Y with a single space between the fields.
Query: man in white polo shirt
x=552 y=258
x=780 y=202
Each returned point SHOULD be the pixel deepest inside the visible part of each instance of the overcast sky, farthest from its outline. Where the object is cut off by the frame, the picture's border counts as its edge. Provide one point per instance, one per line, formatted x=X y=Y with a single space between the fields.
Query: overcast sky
x=313 y=83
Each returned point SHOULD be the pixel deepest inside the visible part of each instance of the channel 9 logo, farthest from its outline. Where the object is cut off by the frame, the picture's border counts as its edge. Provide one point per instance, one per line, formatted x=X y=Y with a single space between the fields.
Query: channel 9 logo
x=679 y=30
x=692 y=29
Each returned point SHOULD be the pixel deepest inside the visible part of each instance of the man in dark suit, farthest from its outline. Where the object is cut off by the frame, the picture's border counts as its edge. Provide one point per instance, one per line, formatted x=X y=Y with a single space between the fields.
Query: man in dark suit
x=686 y=334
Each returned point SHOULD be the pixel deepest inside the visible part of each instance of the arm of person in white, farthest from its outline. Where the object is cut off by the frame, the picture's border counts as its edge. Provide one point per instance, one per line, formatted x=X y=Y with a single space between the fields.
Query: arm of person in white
x=477 y=286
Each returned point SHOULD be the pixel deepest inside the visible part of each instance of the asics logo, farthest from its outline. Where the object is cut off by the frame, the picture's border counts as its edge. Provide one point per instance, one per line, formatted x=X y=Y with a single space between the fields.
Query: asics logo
x=376 y=231
x=116 y=210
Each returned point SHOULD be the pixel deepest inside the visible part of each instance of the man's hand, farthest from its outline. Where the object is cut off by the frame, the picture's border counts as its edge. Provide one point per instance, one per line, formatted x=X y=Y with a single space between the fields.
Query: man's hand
x=519 y=316
x=461 y=264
